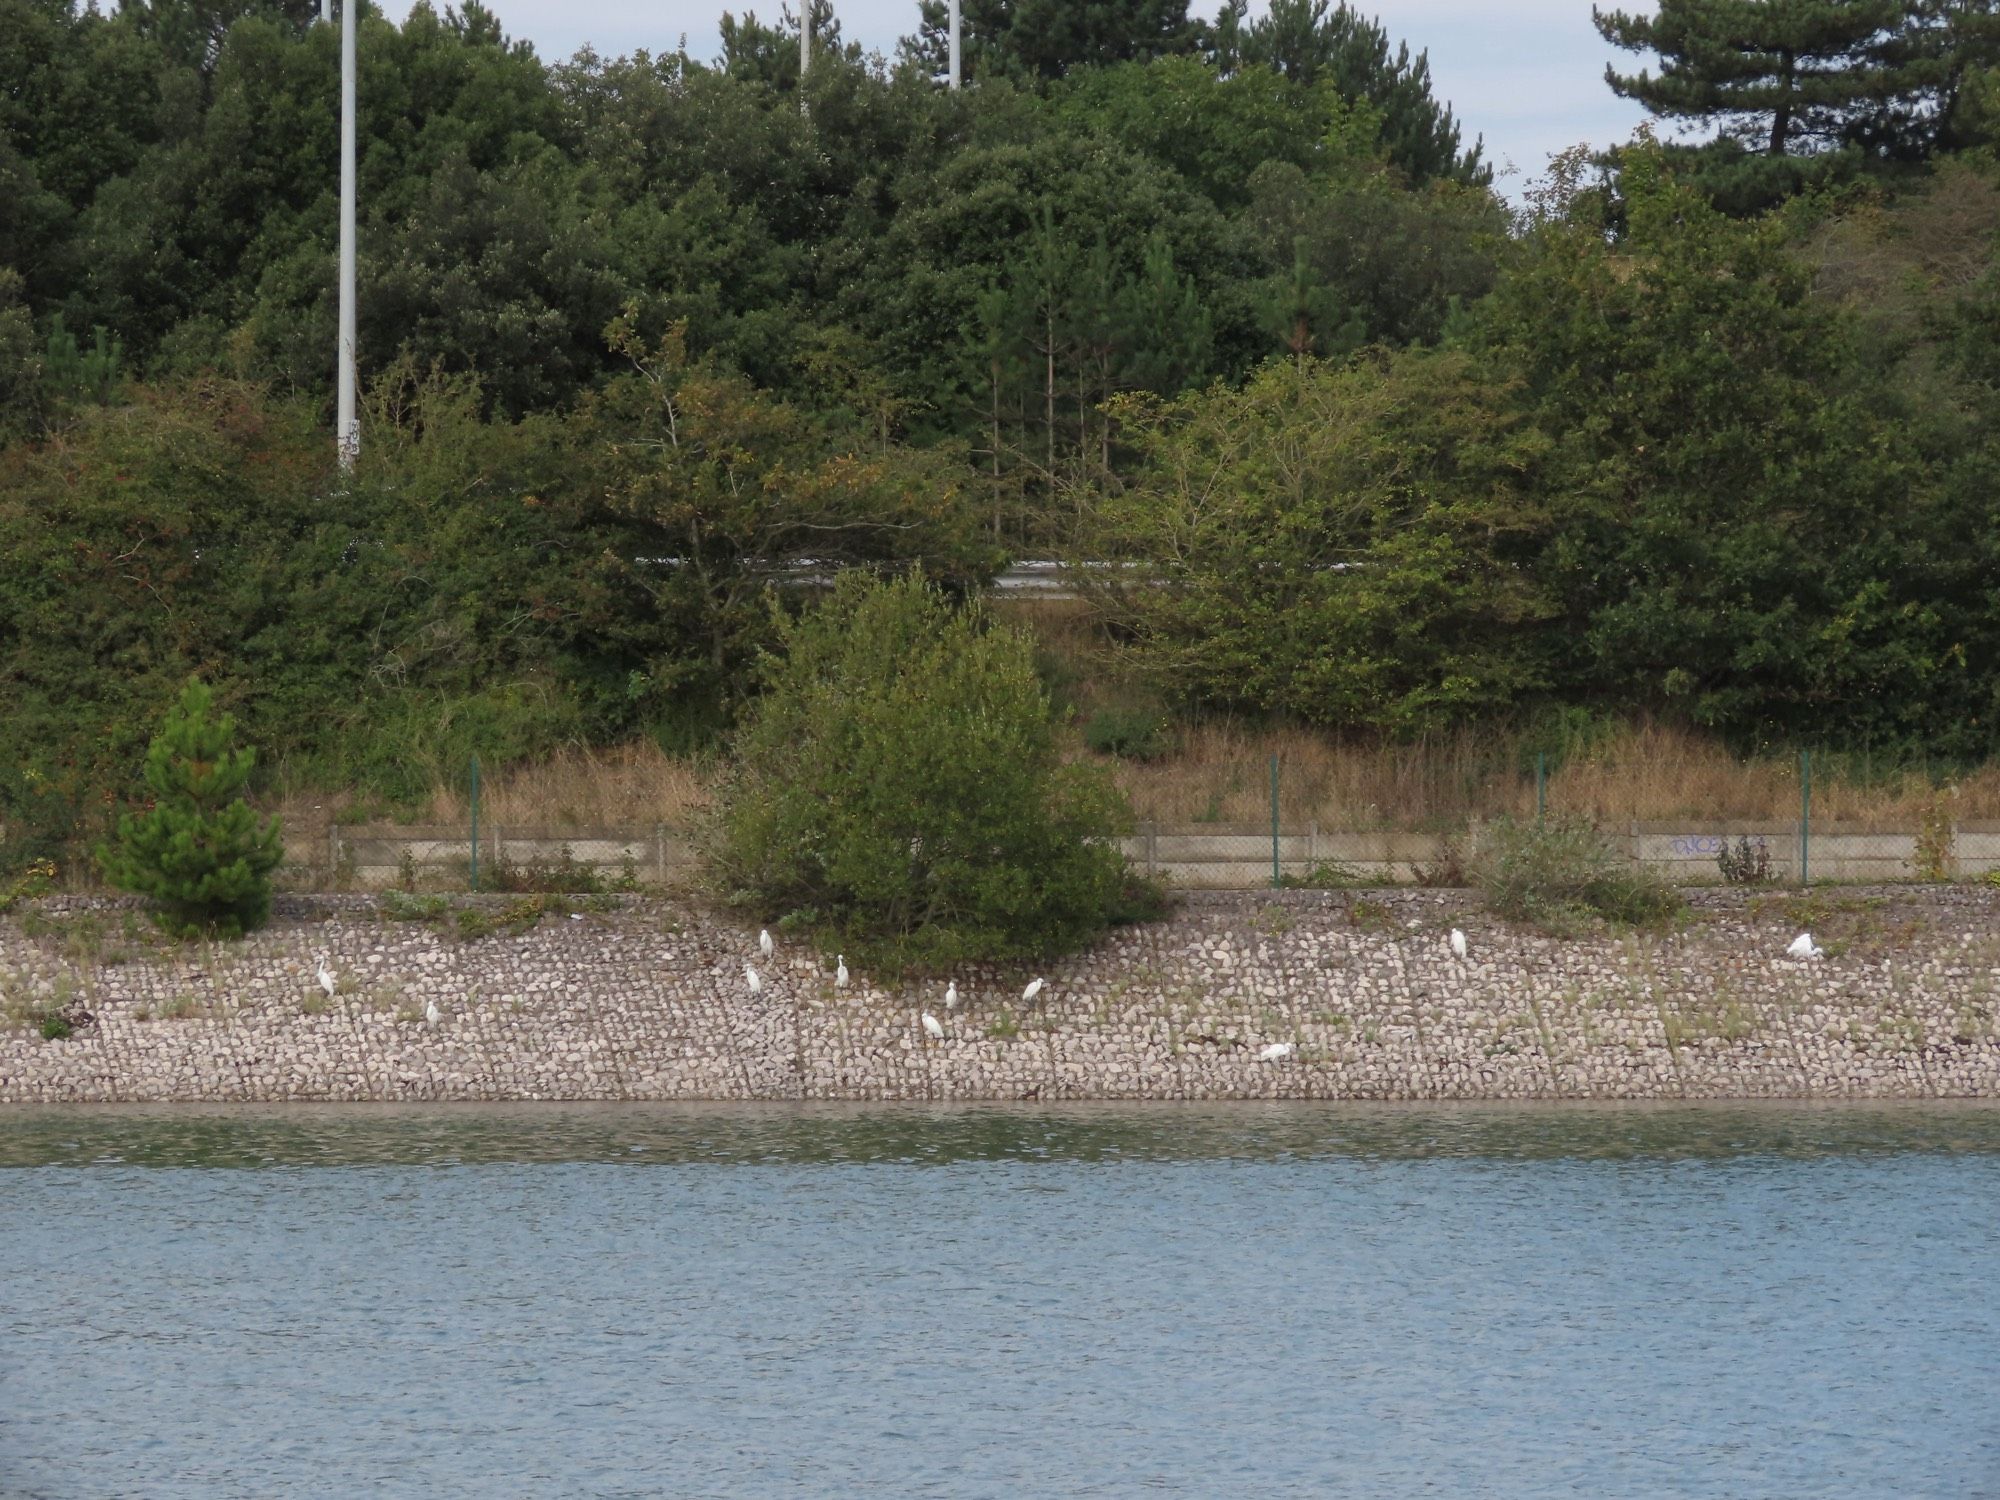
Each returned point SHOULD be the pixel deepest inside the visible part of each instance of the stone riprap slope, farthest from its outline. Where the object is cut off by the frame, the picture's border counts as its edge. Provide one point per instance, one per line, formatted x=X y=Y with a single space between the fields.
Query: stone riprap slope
x=648 y=1001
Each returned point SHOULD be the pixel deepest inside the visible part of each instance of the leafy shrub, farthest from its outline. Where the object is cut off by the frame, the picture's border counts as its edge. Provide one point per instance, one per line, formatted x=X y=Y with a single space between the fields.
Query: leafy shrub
x=564 y=875
x=1935 y=837
x=899 y=780
x=1130 y=733
x=34 y=880
x=199 y=851
x=55 y=1026
x=1329 y=875
x=1562 y=874
x=1446 y=868
x=1745 y=863
x=402 y=906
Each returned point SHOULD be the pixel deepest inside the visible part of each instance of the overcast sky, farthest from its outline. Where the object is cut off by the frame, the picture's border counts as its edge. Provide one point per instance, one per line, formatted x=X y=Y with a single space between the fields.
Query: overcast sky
x=1528 y=75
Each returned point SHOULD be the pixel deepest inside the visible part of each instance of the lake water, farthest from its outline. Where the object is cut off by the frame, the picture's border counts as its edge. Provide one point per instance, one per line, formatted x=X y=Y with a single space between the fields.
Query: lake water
x=1243 y=1301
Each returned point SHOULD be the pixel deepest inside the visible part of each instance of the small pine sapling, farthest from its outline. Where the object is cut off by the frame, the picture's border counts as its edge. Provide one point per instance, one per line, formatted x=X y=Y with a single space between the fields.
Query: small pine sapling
x=199 y=850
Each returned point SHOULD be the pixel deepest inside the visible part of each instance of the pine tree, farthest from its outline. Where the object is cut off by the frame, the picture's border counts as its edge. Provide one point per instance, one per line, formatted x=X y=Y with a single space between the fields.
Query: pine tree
x=199 y=850
x=1311 y=40
x=1948 y=50
x=1782 y=77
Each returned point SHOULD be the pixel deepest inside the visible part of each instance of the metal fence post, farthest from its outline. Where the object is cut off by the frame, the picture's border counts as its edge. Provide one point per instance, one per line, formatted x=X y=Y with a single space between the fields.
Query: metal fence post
x=475 y=822
x=1276 y=880
x=1805 y=816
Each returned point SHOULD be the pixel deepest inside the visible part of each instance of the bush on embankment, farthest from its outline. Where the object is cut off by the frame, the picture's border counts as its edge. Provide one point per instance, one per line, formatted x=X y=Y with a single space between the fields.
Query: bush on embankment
x=897 y=789
x=1561 y=874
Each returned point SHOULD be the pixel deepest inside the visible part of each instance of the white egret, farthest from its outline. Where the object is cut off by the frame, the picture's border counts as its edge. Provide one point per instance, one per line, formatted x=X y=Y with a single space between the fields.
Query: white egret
x=431 y=1013
x=326 y=980
x=933 y=1027
x=1804 y=947
x=1033 y=989
x=951 y=995
x=840 y=971
x=1457 y=943
x=764 y=944
x=1276 y=1052
x=750 y=978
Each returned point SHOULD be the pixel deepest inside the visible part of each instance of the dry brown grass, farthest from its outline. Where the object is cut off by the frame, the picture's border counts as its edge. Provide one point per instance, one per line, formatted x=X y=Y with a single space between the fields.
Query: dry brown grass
x=1220 y=773
x=623 y=786
x=1648 y=773
x=634 y=785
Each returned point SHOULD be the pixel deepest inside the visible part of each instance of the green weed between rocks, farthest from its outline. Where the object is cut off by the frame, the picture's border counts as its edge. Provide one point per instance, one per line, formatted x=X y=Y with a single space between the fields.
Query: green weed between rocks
x=1564 y=877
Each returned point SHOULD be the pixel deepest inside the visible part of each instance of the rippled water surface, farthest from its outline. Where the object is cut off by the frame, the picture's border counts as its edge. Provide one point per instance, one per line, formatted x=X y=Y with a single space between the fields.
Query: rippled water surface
x=1248 y=1301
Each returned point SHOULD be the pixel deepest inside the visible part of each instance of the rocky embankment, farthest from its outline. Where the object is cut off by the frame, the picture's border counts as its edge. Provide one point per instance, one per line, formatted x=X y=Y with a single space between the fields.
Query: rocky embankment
x=646 y=999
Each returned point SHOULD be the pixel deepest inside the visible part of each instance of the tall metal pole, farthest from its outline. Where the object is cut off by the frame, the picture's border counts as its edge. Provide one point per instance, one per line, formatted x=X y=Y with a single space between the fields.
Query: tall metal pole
x=325 y=11
x=1805 y=817
x=347 y=431
x=954 y=44
x=805 y=48
x=1277 y=879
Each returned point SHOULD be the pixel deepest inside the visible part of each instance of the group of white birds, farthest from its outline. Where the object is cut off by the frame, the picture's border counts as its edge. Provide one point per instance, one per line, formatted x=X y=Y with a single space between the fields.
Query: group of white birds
x=933 y=1027
x=331 y=984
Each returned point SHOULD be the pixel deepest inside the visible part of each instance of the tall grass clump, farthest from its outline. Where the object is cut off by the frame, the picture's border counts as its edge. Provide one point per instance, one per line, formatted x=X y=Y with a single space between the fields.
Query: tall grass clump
x=1562 y=875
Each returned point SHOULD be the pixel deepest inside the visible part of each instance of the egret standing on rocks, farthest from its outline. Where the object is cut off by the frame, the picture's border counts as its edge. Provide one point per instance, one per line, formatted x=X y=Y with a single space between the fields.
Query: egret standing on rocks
x=1804 y=947
x=933 y=1027
x=1033 y=989
x=431 y=1013
x=326 y=981
x=840 y=971
x=750 y=978
x=951 y=995
x=1276 y=1052
x=764 y=944
x=1457 y=943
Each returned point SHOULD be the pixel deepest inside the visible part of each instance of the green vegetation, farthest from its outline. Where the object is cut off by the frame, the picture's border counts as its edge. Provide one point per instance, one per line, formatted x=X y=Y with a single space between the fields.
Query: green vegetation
x=1229 y=306
x=198 y=851
x=1811 y=92
x=1562 y=875
x=896 y=787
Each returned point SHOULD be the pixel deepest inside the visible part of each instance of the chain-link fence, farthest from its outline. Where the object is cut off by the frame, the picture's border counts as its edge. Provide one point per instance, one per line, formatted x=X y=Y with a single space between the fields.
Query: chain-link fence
x=1695 y=820
x=1321 y=815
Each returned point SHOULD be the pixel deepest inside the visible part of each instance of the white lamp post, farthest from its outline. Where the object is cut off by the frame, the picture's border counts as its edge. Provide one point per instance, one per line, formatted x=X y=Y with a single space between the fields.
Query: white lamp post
x=347 y=431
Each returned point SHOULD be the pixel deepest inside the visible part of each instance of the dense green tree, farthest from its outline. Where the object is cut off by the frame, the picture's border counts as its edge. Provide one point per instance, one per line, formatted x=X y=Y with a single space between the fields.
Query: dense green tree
x=1780 y=78
x=199 y=851
x=1352 y=258
x=897 y=788
x=1022 y=287
x=1745 y=539
x=1340 y=543
x=1947 y=51
x=1316 y=41
x=1216 y=131
x=709 y=494
x=1048 y=38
